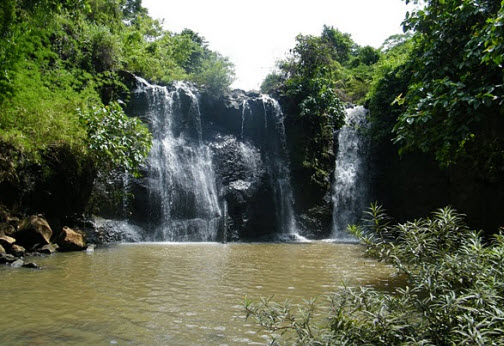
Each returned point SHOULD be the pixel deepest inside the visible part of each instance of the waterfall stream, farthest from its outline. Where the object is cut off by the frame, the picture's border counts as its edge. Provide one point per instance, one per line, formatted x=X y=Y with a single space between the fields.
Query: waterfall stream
x=350 y=189
x=181 y=174
x=281 y=172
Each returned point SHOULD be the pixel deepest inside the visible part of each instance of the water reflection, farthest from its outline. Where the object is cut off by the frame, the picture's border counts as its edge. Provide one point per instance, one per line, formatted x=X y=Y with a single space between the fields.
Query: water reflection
x=169 y=293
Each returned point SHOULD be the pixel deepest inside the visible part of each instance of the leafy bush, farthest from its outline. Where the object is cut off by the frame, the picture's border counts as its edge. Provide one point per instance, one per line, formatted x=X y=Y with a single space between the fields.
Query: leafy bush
x=115 y=140
x=453 y=295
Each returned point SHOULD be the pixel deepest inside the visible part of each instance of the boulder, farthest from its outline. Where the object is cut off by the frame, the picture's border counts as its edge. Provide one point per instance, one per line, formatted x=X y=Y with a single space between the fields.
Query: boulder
x=17 y=263
x=5 y=258
x=17 y=250
x=33 y=230
x=47 y=249
x=7 y=229
x=70 y=240
x=6 y=241
x=14 y=221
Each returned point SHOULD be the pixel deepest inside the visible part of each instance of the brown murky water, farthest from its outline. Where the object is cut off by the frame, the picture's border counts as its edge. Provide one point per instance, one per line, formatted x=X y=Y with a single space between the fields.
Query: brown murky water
x=177 y=294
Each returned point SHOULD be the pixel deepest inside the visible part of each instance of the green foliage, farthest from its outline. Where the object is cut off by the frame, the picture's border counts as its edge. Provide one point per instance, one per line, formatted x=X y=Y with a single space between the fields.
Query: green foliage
x=273 y=81
x=60 y=56
x=455 y=97
x=390 y=80
x=215 y=75
x=453 y=294
x=114 y=139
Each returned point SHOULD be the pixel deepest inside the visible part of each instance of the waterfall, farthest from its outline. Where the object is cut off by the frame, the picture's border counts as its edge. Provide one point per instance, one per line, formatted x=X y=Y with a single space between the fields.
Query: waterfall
x=280 y=172
x=180 y=171
x=350 y=189
x=218 y=168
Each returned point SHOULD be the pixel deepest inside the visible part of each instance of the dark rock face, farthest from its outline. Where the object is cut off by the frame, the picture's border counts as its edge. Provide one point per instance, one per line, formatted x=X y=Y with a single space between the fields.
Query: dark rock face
x=70 y=240
x=59 y=188
x=414 y=185
x=33 y=230
x=313 y=204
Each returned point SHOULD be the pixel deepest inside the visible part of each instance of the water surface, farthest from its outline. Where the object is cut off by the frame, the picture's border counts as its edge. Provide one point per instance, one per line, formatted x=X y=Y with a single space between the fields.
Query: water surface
x=161 y=293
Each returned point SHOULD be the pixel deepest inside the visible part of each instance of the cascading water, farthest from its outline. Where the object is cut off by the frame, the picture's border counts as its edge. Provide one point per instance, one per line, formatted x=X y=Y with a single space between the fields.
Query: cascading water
x=350 y=189
x=280 y=172
x=180 y=171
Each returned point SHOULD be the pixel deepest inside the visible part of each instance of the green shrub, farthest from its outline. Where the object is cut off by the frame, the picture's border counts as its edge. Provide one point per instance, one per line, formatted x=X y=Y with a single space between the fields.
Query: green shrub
x=115 y=140
x=453 y=295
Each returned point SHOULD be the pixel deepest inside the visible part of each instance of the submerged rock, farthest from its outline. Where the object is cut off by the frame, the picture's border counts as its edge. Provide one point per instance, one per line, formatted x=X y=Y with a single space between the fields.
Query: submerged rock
x=34 y=230
x=17 y=263
x=47 y=249
x=70 y=240
x=31 y=265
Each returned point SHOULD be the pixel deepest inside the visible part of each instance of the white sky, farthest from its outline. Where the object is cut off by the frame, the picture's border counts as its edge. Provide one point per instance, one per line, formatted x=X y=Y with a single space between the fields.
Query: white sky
x=255 y=34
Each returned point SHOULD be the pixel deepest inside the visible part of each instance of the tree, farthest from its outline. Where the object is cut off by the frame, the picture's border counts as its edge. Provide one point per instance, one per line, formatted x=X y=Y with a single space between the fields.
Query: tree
x=454 y=103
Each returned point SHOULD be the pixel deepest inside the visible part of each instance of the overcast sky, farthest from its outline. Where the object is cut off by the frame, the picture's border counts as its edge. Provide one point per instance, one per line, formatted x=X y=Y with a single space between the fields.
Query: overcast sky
x=255 y=34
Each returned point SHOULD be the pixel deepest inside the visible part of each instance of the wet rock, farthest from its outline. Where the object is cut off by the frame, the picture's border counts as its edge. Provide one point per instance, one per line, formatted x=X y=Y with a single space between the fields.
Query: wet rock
x=34 y=254
x=17 y=250
x=34 y=230
x=31 y=265
x=6 y=258
x=14 y=221
x=70 y=240
x=47 y=249
x=7 y=229
x=7 y=242
x=17 y=263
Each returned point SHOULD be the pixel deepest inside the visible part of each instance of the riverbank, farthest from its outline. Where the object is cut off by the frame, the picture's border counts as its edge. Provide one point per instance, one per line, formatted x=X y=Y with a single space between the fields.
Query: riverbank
x=31 y=236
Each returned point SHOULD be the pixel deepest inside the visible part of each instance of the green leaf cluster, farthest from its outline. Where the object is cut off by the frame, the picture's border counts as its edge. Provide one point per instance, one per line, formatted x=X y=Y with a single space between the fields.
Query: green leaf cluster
x=114 y=139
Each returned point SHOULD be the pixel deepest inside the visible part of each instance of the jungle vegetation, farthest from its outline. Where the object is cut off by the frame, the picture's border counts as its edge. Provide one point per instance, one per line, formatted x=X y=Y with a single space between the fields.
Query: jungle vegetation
x=61 y=77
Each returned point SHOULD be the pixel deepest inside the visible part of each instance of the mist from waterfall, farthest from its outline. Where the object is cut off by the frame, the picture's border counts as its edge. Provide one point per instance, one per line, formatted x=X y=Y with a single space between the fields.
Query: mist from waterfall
x=351 y=179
